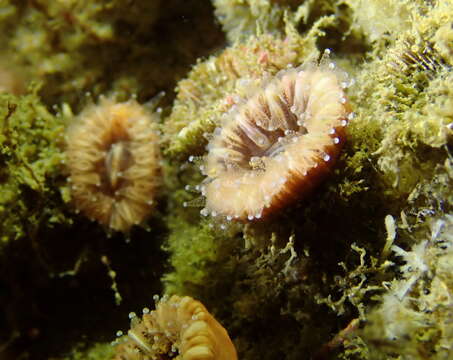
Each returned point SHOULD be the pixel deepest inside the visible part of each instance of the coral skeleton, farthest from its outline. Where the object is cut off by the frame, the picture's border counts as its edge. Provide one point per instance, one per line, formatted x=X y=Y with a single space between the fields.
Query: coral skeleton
x=275 y=146
x=179 y=328
x=113 y=160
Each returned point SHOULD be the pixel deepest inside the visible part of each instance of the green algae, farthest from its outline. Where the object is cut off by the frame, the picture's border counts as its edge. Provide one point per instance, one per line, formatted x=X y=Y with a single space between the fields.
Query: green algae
x=95 y=352
x=412 y=320
x=104 y=46
x=243 y=19
x=31 y=143
x=408 y=105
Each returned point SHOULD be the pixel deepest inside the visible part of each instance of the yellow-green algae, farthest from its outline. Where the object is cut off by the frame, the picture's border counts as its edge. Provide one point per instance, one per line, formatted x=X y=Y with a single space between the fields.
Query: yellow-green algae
x=94 y=352
x=75 y=47
x=31 y=141
x=241 y=19
x=283 y=288
x=414 y=319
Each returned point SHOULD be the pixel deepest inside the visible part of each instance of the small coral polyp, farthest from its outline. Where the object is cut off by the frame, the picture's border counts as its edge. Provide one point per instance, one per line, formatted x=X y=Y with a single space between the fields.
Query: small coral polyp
x=113 y=159
x=180 y=328
x=278 y=144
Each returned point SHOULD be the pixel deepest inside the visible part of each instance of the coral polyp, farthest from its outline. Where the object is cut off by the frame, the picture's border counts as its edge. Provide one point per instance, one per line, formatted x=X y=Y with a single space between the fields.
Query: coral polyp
x=179 y=328
x=274 y=147
x=113 y=159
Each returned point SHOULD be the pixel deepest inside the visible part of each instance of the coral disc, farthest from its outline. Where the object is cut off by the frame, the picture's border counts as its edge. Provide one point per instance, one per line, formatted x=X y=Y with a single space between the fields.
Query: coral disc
x=275 y=146
x=113 y=159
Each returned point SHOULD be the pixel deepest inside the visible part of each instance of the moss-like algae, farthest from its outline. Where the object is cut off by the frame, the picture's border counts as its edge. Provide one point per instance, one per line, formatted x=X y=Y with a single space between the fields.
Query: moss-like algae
x=105 y=46
x=94 y=352
x=31 y=142
x=413 y=321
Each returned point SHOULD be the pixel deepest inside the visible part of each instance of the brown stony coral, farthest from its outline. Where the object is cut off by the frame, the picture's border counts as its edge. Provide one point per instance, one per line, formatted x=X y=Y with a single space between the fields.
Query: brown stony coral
x=275 y=146
x=180 y=328
x=113 y=159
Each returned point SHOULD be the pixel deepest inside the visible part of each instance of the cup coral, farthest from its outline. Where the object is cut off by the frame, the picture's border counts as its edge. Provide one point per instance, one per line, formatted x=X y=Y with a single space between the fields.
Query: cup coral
x=113 y=160
x=179 y=325
x=275 y=146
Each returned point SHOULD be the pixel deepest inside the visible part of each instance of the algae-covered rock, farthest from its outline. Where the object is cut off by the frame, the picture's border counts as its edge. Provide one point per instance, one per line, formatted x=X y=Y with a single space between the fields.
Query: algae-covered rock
x=101 y=46
x=413 y=321
x=334 y=275
x=241 y=19
x=405 y=96
x=31 y=143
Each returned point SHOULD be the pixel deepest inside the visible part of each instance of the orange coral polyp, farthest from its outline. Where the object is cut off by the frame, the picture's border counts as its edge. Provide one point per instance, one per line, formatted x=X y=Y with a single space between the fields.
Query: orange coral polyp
x=276 y=146
x=180 y=328
x=113 y=160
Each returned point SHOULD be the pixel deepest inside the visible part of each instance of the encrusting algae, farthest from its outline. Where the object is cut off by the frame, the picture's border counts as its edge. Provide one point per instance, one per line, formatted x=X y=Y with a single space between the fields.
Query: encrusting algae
x=179 y=328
